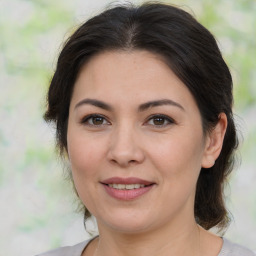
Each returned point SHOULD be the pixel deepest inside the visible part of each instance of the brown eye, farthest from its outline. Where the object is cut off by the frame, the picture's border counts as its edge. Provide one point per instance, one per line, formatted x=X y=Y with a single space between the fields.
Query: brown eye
x=97 y=120
x=160 y=121
x=94 y=120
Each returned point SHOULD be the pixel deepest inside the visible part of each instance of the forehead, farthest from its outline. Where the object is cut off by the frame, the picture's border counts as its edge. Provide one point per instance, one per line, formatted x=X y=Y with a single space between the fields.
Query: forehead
x=114 y=65
x=133 y=76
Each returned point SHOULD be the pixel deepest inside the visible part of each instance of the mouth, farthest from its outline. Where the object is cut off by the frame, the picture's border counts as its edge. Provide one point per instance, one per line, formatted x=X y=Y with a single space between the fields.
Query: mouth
x=127 y=188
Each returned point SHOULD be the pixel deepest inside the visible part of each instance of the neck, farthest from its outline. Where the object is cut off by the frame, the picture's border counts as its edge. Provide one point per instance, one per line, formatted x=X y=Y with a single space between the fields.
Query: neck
x=183 y=240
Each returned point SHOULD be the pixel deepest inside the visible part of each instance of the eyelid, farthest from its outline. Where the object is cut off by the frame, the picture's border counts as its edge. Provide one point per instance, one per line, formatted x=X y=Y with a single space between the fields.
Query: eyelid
x=84 y=120
x=168 y=118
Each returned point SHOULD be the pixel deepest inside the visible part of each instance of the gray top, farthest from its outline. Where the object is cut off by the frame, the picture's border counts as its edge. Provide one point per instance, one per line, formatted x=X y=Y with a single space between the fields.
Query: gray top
x=228 y=249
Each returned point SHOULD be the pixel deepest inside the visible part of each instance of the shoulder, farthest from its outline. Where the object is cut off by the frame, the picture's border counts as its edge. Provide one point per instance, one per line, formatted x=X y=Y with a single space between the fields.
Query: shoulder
x=75 y=250
x=233 y=249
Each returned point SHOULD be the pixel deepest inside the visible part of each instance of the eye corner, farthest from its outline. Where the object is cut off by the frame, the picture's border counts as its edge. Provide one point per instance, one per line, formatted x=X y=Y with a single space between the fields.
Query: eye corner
x=163 y=121
x=89 y=120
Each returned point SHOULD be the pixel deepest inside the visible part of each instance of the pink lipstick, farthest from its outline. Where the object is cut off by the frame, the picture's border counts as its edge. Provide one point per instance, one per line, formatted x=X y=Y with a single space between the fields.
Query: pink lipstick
x=126 y=188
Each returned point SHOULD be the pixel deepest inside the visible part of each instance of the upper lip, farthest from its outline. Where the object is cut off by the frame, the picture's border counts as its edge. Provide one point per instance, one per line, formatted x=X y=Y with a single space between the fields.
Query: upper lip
x=130 y=180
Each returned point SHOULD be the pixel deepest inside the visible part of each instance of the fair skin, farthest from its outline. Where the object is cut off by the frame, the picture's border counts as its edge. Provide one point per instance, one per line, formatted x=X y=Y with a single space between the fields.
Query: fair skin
x=145 y=125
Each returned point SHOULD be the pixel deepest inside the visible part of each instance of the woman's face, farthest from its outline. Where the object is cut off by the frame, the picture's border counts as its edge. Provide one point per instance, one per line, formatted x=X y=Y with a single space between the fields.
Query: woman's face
x=135 y=142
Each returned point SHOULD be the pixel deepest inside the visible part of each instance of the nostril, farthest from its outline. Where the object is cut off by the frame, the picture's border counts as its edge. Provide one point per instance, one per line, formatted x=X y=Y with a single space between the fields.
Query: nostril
x=125 y=155
x=113 y=161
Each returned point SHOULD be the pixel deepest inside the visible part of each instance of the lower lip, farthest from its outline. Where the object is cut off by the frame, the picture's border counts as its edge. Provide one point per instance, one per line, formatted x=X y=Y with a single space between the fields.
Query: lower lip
x=127 y=194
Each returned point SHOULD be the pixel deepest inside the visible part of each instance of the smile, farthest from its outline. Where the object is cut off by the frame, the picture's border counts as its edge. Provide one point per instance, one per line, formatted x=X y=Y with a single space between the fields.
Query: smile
x=127 y=189
x=126 y=186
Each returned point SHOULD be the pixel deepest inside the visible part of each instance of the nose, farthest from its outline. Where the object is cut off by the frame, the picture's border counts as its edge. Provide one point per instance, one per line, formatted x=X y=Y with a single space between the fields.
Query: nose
x=125 y=148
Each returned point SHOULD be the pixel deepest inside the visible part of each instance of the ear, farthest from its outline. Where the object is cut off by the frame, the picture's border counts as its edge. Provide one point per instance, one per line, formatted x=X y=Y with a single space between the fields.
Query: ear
x=214 y=142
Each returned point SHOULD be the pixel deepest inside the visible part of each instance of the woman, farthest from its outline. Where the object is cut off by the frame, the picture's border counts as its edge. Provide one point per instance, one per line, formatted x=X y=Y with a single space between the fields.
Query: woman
x=142 y=102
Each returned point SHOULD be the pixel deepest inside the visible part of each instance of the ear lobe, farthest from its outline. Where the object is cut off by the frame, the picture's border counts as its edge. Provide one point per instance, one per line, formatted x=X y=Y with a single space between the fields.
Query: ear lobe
x=214 y=142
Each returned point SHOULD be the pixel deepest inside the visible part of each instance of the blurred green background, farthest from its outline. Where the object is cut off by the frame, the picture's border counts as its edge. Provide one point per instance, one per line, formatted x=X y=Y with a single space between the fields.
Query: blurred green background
x=37 y=204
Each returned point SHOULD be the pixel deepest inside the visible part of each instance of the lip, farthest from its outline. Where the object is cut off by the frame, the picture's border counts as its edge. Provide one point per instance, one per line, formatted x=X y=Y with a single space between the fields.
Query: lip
x=127 y=181
x=127 y=195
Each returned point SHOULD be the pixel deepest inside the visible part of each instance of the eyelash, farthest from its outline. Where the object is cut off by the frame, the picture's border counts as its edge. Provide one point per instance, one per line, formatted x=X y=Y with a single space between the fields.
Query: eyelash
x=167 y=120
x=85 y=120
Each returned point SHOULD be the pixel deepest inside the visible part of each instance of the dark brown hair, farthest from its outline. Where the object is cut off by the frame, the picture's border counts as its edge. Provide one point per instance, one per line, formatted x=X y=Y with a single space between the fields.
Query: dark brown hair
x=191 y=52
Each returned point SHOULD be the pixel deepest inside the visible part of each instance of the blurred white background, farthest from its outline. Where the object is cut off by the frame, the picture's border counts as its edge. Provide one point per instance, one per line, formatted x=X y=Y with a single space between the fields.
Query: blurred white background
x=37 y=204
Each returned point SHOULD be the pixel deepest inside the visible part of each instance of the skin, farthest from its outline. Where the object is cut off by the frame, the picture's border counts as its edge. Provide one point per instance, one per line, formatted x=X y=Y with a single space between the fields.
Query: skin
x=126 y=142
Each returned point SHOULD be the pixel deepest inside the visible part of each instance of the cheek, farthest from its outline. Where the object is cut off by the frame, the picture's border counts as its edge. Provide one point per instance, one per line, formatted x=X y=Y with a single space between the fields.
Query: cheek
x=179 y=156
x=179 y=165
x=84 y=154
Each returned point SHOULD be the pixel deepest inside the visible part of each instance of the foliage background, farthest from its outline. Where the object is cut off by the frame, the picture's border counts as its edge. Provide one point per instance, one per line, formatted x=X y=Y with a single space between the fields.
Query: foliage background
x=37 y=204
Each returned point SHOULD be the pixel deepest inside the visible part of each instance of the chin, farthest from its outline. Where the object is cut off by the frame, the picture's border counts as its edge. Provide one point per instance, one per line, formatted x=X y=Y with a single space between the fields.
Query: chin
x=130 y=228
x=127 y=223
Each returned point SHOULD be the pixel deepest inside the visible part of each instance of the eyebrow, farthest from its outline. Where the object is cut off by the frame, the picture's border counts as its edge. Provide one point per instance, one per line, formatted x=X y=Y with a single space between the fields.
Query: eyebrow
x=141 y=108
x=156 y=103
x=97 y=103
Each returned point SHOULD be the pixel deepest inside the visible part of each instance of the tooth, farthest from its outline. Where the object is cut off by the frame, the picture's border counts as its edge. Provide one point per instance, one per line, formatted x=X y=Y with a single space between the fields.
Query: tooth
x=129 y=186
x=121 y=186
x=126 y=186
